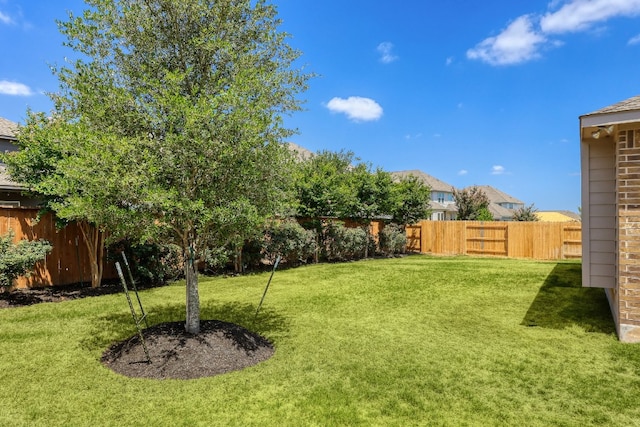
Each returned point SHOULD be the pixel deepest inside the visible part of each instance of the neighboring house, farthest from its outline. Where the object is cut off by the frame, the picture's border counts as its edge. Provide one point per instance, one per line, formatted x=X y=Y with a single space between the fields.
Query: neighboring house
x=442 y=203
x=610 y=157
x=501 y=205
x=8 y=131
x=557 y=216
x=10 y=192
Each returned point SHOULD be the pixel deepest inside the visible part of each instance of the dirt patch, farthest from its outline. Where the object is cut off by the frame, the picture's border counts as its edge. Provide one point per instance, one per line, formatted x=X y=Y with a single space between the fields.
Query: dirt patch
x=220 y=347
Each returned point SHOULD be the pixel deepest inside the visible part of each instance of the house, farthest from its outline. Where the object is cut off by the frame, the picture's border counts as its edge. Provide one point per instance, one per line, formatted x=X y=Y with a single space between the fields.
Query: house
x=442 y=203
x=10 y=192
x=610 y=162
x=501 y=205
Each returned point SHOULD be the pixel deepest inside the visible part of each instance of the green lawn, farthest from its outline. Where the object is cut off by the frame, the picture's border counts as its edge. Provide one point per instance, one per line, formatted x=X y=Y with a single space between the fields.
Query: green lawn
x=411 y=341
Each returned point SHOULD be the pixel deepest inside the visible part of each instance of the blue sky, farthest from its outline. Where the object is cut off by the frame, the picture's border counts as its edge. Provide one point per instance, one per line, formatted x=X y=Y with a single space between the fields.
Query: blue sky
x=471 y=92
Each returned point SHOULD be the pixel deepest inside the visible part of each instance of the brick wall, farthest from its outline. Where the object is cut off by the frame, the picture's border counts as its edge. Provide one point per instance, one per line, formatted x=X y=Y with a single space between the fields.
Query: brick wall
x=627 y=296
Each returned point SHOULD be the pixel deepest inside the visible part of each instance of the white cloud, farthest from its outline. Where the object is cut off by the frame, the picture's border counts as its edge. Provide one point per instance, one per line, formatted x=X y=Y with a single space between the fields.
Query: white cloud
x=519 y=42
x=526 y=36
x=14 y=88
x=356 y=108
x=386 y=56
x=498 y=170
x=5 y=19
x=462 y=172
x=634 y=40
x=579 y=15
x=449 y=60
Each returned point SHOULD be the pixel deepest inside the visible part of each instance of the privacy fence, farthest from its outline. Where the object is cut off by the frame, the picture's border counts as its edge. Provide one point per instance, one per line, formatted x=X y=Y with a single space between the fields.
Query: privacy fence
x=67 y=263
x=534 y=240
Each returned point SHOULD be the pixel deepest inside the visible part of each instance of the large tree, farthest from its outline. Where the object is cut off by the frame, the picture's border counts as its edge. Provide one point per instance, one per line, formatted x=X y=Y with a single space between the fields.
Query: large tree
x=410 y=201
x=323 y=185
x=372 y=197
x=330 y=184
x=197 y=89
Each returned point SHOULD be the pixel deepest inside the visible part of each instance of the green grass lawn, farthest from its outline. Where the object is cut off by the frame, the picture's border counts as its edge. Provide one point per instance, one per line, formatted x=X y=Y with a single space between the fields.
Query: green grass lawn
x=411 y=341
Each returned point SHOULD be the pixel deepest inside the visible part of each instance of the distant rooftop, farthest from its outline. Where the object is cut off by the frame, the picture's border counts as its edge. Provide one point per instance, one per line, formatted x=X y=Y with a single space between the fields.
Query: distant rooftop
x=558 y=216
x=434 y=183
x=300 y=152
x=497 y=196
x=5 y=182
x=8 y=129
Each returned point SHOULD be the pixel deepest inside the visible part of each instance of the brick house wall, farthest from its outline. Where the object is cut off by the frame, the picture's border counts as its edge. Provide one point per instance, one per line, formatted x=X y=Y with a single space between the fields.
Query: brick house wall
x=610 y=158
x=626 y=297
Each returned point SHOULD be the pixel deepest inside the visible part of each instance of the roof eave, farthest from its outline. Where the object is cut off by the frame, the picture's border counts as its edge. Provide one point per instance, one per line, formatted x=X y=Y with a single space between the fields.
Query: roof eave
x=605 y=119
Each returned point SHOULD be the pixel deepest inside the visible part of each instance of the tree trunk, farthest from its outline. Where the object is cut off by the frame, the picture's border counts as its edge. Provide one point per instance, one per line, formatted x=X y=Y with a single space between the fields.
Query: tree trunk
x=192 y=324
x=367 y=233
x=237 y=260
x=94 y=241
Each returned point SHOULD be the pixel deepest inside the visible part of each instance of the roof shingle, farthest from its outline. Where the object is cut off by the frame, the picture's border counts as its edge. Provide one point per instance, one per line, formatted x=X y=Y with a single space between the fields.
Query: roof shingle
x=630 y=104
x=8 y=129
x=5 y=181
x=434 y=183
x=497 y=196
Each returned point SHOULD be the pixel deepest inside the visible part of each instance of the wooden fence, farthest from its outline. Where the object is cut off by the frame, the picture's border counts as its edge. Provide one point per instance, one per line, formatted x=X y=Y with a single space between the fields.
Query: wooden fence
x=67 y=263
x=535 y=240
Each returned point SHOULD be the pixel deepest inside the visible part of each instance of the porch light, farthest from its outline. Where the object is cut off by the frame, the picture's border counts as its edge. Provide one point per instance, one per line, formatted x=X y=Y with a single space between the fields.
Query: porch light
x=602 y=131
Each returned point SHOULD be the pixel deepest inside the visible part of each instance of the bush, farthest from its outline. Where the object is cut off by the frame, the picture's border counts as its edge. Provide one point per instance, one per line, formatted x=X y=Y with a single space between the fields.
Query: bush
x=250 y=254
x=217 y=259
x=150 y=263
x=290 y=241
x=344 y=244
x=392 y=240
x=17 y=259
x=484 y=215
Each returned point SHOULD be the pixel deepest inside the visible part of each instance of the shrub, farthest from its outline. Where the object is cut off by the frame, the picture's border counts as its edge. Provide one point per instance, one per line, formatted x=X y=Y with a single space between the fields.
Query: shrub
x=392 y=240
x=150 y=263
x=250 y=254
x=18 y=259
x=484 y=215
x=290 y=241
x=342 y=243
x=526 y=213
x=217 y=259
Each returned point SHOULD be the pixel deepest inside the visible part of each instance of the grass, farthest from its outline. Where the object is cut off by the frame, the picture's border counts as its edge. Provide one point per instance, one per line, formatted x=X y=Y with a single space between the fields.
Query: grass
x=411 y=341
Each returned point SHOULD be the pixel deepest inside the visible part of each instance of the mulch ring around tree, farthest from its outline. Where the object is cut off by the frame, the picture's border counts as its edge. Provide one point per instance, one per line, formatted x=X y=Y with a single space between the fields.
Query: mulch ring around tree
x=220 y=347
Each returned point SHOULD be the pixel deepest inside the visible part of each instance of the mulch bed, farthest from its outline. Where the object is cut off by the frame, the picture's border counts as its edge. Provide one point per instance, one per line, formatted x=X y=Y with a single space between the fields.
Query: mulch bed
x=22 y=297
x=220 y=347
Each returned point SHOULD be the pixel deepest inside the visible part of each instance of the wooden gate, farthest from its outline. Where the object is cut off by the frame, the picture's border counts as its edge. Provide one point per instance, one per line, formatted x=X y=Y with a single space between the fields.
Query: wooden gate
x=487 y=238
